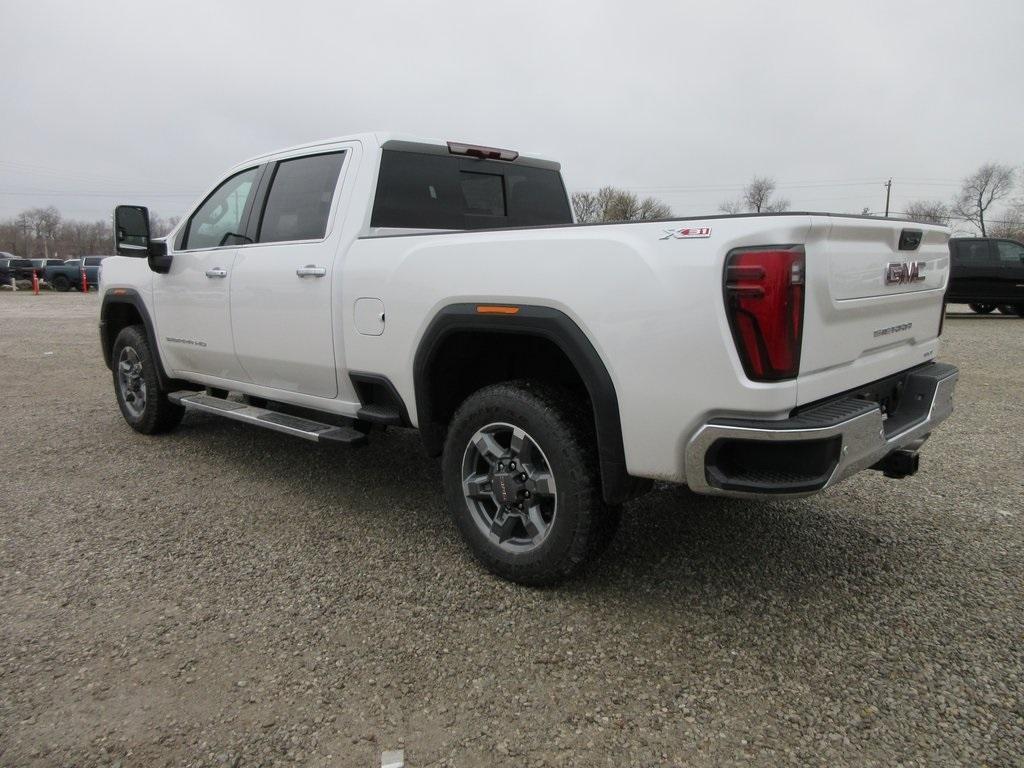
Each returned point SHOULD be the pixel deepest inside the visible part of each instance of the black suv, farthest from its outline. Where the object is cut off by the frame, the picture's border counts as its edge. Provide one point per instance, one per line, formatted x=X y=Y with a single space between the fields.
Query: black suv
x=987 y=273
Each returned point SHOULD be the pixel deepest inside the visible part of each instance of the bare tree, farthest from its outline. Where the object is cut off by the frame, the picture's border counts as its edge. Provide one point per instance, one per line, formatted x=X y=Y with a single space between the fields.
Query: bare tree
x=611 y=204
x=43 y=229
x=45 y=222
x=159 y=227
x=927 y=212
x=653 y=210
x=757 y=198
x=586 y=207
x=1011 y=226
x=980 y=190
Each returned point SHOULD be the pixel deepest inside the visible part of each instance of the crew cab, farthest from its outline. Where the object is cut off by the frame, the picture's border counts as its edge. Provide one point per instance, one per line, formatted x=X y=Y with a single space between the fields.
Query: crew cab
x=987 y=273
x=557 y=369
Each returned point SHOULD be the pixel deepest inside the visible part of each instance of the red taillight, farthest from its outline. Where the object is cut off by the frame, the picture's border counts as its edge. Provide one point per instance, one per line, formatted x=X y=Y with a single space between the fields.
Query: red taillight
x=764 y=298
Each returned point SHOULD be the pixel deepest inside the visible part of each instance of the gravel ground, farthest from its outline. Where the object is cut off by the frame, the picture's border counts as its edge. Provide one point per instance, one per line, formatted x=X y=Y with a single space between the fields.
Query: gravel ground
x=227 y=596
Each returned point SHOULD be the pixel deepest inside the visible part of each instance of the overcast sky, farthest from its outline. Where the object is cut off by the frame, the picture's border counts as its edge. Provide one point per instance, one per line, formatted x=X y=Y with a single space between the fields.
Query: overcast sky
x=148 y=102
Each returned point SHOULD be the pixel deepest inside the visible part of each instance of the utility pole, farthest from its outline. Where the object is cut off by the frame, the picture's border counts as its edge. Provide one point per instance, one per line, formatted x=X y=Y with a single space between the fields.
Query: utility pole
x=25 y=227
x=888 y=189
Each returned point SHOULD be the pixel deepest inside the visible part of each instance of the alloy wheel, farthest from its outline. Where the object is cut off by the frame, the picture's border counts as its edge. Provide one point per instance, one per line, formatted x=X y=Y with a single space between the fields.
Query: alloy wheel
x=509 y=487
x=131 y=382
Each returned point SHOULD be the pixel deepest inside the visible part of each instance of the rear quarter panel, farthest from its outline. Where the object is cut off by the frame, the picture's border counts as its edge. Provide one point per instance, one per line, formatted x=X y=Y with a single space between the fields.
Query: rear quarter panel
x=651 y=307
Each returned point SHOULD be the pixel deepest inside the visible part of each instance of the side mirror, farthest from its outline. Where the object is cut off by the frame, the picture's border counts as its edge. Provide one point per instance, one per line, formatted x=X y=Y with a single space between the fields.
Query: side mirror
x=131 y=230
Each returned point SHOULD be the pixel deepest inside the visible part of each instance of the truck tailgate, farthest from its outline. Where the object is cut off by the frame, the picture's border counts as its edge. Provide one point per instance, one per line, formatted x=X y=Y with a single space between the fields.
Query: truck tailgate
x=871 y=308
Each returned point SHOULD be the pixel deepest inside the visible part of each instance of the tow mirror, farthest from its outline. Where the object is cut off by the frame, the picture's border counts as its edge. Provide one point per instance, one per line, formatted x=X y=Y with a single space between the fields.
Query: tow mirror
x=131 y=230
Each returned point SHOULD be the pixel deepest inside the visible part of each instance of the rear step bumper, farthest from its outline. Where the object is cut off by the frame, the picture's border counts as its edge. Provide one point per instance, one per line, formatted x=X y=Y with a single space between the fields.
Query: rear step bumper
x=268 y=419
x=824 y=443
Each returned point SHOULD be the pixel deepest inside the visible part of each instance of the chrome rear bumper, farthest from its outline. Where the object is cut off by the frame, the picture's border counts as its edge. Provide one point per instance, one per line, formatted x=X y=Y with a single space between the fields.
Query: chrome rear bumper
x=820 y=445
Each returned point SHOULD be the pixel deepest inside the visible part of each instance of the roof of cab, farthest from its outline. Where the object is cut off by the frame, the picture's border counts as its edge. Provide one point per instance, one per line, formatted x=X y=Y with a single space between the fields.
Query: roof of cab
x=394 y=140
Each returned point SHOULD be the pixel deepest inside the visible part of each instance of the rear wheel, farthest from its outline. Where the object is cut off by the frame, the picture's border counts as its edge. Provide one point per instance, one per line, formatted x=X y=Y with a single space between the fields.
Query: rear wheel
x=1008 y=309
x=143 y=402
x=521 y=478
x=61 y=283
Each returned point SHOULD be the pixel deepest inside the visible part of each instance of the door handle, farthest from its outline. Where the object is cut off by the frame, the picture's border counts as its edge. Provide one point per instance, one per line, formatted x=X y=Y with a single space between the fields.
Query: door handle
x=311 y=270
x=217 y=272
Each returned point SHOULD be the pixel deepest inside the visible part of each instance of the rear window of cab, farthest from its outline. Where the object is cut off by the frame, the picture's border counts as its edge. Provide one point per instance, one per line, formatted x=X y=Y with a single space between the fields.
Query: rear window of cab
x=433 y=191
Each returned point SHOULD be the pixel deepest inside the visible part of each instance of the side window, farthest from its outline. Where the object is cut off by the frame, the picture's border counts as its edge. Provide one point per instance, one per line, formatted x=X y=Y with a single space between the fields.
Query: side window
x=1010 y=252
x=221 y=213
x=299 y=202
x=972 y=253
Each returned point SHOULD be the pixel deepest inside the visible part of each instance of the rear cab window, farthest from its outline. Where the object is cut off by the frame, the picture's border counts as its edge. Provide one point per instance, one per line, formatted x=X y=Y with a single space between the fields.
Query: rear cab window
x=426 y=190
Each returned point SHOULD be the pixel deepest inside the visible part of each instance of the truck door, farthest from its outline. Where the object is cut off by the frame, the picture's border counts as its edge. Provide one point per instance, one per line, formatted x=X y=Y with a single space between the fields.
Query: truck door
x=1009 y=271
x=192 y=311
x=282 y=283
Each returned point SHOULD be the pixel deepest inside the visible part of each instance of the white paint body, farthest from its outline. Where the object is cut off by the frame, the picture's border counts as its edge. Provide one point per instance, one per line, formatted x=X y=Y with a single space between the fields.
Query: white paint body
x=652 y=308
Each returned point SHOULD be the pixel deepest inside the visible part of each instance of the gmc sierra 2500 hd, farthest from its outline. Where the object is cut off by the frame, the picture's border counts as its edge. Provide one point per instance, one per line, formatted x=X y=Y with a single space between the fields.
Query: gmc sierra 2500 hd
x=557 y=368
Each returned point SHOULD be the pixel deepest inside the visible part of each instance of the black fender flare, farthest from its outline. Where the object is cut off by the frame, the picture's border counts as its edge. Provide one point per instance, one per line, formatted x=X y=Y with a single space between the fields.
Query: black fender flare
x=131 y=297
x=552 y=325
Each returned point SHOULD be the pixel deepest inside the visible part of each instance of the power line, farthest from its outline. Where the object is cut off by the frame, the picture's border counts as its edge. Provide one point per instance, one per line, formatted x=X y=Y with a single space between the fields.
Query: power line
x=23 y=168
x=65 y=193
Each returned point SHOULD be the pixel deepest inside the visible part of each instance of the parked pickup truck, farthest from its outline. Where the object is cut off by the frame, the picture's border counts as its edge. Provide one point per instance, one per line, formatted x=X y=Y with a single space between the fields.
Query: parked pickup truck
x=13 y=269
x=40 y=265
x=68 y=276
x=557 y=369
x=987 y=273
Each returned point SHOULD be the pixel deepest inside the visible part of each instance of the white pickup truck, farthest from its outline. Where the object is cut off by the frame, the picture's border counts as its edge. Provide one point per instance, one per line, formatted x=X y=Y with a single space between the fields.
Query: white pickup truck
x=557 y=368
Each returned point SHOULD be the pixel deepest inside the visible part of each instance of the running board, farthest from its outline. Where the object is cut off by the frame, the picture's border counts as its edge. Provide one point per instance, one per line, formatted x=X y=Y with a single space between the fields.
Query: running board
x=263 y=417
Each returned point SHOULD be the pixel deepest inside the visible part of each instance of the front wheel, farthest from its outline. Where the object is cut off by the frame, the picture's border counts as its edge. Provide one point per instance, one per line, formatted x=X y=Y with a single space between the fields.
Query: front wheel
x=1012 y=309
x=521 y=478
x=143 y=402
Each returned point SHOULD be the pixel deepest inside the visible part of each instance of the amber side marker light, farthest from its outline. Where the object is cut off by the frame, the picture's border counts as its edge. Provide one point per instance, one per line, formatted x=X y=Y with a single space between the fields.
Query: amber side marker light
x=120 y=291
x=486 y=309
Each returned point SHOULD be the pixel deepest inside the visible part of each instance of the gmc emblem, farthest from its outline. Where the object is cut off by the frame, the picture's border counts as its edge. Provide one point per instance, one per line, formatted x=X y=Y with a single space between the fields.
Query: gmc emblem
x=897 y=273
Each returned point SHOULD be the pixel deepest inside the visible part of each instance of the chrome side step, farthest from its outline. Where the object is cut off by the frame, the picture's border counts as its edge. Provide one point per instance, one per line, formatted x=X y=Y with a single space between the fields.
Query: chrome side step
x=263 y=417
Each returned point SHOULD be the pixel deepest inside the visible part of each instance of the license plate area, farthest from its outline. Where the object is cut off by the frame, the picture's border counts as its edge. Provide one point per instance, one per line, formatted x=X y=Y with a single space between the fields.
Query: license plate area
x=904 y=398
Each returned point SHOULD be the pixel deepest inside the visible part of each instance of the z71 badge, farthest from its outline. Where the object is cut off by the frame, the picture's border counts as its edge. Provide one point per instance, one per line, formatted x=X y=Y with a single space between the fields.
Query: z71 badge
x=683 y=233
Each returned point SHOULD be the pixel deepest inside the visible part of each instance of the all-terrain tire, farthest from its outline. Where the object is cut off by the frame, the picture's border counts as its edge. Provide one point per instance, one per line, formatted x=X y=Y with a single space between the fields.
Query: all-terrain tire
x=582 y=524
x=158 y=414
x=61 y=283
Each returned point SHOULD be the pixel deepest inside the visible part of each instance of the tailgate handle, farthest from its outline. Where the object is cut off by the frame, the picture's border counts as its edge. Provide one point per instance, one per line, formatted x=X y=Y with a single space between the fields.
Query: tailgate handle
x=910 y=239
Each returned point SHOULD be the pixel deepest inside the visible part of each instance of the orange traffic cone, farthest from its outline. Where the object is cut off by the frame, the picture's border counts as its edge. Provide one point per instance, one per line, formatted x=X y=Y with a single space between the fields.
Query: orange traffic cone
x=85 y=283
x=35 y=282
